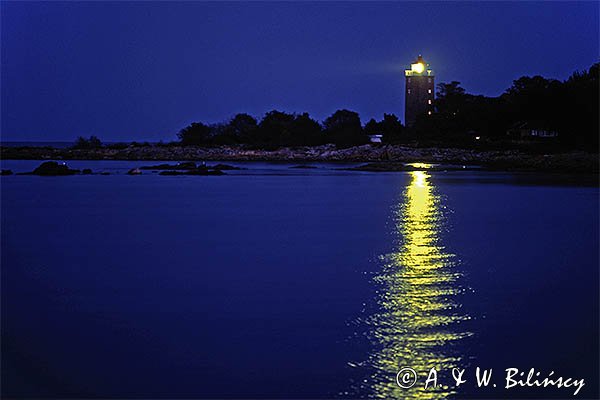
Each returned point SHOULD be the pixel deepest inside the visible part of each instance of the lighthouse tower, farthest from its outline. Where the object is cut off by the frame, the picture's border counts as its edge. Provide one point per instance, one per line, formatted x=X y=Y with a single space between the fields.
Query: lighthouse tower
x=420 y=91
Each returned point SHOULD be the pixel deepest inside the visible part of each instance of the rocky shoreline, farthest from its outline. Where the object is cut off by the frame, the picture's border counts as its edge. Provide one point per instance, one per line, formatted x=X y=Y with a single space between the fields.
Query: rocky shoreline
x=380 y=157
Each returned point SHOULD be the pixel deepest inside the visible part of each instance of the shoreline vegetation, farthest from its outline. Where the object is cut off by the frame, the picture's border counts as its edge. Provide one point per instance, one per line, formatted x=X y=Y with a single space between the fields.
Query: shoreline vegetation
x=537 y=124
x=377 y=157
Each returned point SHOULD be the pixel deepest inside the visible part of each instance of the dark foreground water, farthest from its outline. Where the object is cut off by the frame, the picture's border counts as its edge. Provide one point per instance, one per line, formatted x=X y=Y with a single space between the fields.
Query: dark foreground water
x=275 y=282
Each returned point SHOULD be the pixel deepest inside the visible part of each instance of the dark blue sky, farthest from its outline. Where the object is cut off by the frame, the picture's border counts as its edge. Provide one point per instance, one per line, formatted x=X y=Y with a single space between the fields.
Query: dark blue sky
x=141 y=71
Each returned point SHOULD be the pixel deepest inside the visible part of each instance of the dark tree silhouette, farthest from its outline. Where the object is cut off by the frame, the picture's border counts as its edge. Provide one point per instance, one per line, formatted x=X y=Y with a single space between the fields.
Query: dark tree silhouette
x=92 y=143
x=242 y=127
x=195 y=134
x=283 y=129
x=275 y=128
x=305 y=131
x=391 y=128
x=535 y=100
x=580 y=109
x=221 y=134
x=344 y=129
x=372 y=127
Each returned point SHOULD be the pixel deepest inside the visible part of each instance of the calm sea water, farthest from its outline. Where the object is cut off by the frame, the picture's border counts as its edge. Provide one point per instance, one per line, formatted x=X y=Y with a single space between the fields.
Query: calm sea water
x=277 y=282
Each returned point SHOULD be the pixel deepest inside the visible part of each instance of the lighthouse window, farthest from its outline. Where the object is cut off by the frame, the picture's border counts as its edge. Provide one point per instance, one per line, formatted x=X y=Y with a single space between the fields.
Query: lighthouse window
x=429 y=91
x=429 y=112
x=408 y=91
x=429 y=80
x=428 y=101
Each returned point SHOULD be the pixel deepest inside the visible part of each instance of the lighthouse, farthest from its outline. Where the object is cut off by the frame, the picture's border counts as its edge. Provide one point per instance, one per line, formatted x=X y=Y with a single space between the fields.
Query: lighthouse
x=420 y=91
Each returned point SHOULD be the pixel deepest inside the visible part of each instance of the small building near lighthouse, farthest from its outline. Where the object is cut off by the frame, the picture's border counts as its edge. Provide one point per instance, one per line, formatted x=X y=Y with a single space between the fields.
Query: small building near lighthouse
x=420 y=91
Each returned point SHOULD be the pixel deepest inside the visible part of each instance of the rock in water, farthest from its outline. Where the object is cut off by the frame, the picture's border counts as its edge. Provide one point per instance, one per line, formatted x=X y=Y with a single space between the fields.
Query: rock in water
x=199 y=171
x=6 y=172
x=186 y=165
x=222 y=167
x=86 y=171
x=52 y=168
x=134 y=171
x=182 y=166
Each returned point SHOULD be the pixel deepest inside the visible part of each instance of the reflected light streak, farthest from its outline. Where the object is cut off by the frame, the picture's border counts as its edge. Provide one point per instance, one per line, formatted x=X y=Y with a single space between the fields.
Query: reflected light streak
x=419 y=317
x=420 y=165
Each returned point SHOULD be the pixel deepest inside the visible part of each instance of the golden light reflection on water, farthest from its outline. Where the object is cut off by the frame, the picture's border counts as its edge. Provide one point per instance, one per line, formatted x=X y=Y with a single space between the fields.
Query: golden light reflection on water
x=419 y=317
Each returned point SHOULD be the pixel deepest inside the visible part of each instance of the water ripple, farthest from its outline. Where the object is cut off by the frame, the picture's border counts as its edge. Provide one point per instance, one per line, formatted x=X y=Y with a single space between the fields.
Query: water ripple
x=419 y=314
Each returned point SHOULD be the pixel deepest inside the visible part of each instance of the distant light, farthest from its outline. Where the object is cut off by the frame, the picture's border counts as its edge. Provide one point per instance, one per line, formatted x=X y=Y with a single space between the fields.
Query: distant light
x=477 y=137
x=418 y=67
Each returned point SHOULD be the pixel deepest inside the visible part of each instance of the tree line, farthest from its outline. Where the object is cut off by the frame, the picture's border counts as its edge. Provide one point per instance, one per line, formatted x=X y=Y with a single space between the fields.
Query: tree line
x=569 y=108
x=278 y=128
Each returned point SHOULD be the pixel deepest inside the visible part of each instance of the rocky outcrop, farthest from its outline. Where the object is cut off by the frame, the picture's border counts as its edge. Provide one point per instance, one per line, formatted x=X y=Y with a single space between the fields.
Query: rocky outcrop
x=179 y=166
x=52 y=168
x=224 y=167
x=199 y=171
x=303 y=167
x=189 y=168
x=495 y=159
